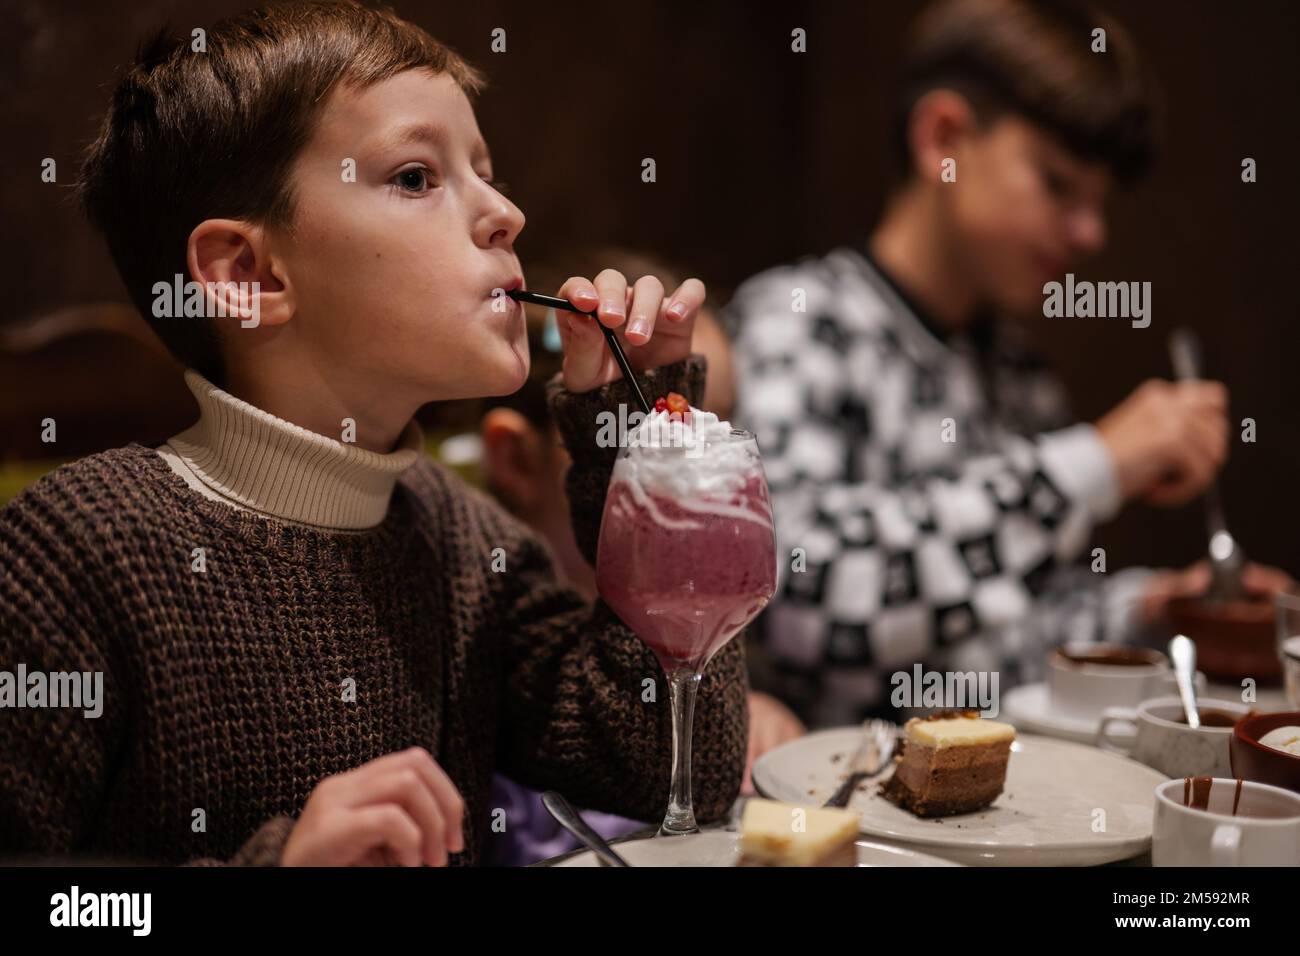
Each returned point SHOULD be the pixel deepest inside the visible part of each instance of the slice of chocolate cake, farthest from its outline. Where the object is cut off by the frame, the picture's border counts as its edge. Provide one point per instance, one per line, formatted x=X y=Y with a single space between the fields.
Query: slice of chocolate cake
x=951 y=762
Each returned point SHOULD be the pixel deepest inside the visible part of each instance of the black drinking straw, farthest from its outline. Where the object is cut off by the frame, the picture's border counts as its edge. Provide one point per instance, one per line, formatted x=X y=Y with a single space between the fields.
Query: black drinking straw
x=611 y=340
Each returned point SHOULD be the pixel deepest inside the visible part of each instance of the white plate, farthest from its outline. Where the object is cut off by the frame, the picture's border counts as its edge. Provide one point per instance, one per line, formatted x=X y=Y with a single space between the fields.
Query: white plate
x=722 y=848
x=1029 y=709
x=1064 y=804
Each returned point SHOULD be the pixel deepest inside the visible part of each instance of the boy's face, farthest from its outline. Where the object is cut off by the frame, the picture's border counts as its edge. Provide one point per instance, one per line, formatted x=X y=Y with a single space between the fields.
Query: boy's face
x=1031 y=211
x=392 y=274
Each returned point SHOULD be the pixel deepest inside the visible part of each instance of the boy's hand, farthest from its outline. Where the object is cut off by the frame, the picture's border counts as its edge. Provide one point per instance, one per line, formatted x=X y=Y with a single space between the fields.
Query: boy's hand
x=1168 y=440
x=653 y=328
x=1259 y=581
x=771 y=724
x=401 y=808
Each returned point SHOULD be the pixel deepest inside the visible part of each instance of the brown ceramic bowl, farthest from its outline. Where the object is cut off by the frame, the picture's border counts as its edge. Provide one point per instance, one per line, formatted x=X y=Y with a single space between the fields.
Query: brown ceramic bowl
x=1251 y=760
x=1234 y=639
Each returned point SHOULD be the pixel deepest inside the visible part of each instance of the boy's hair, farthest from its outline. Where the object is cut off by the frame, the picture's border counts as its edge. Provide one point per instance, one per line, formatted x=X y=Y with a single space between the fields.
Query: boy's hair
x=195 y=135
x=1034 y=58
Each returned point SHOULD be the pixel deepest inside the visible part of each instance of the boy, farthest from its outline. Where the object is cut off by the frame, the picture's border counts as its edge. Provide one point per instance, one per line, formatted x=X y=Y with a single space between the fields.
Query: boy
x=312 y=650
x=919 y=456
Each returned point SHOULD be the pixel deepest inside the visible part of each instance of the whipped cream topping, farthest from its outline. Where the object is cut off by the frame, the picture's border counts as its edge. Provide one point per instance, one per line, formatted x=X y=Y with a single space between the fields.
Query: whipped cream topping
x=696 y=463
x=684 y=459
x=666 y=430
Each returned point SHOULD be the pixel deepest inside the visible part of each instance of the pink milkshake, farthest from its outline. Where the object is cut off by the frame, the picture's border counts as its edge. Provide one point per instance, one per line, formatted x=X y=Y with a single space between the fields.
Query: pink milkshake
x=687 y=556
x=686 y=574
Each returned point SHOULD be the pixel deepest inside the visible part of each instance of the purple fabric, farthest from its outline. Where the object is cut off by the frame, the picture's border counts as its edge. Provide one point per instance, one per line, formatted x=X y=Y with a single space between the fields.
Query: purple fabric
x=531 y=833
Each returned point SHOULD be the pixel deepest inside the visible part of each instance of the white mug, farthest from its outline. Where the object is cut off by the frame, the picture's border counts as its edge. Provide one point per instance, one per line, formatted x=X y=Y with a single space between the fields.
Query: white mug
x=1156 y=738
x=1084 y=690
x=1264 y=832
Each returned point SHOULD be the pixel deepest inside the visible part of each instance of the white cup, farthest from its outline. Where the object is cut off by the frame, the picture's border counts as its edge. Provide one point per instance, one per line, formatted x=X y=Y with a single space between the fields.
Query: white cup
x=1155 y=737
x=1084 y=690
x=1264 y=832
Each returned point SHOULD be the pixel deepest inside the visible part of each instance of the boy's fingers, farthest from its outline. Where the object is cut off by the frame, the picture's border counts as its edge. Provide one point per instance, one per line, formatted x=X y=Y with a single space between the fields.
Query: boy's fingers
x=612 y=288
x=1211 y=442
x=647 y=298
x=407 y=789
x=371 y=782
x=1212 y=394
x=451 y=802
x=360 y=779
x=375 y=858
x=580 y=292
x=440 y=786
x=1262 y=579
x=386 y=825
x=1196 y=578
x=686 y=301
x=356 y=783
x=582 y=332
x=584 y=349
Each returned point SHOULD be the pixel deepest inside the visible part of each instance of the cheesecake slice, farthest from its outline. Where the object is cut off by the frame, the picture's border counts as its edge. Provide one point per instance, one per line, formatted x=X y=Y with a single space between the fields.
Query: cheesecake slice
x=786 y=834
x=951 y=762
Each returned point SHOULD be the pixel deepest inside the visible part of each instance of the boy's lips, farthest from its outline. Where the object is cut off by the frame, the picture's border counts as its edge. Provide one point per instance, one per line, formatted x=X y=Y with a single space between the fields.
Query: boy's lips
x=509 y=306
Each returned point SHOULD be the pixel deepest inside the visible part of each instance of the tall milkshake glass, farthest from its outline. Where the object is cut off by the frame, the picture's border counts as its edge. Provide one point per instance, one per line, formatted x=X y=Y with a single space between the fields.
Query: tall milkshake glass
x=686 y=558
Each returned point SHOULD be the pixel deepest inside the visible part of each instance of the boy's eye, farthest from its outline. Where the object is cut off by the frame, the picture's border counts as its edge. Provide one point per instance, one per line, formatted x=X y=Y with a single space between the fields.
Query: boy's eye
x=1056 y=183
x=415 y=179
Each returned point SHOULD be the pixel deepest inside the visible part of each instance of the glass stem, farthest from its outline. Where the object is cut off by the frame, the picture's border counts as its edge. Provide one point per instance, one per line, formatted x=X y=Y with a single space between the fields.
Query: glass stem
x=682 y=686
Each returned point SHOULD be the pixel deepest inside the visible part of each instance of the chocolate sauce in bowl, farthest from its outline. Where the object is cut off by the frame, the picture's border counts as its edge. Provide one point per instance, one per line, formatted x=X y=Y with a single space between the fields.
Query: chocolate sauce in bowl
x=1210 y=718
x=1109 y=655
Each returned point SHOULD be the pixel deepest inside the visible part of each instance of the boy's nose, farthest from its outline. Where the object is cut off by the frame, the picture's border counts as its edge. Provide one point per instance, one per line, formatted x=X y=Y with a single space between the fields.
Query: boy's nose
x=1087 y=230
x=503 y=224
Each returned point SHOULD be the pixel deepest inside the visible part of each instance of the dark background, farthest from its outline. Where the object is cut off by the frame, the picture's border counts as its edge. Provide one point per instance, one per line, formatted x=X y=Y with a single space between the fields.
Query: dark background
x=764 y=155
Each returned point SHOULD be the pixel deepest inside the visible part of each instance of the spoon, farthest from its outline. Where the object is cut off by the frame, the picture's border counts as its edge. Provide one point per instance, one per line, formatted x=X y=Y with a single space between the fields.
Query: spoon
x=1182 y=651
x=1226 y=557
x=568 y=818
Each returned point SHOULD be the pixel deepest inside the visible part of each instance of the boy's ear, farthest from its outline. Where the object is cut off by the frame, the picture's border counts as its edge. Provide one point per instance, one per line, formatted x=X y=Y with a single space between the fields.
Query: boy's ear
x=235 y=257
x=940 y=122
x=513 y=460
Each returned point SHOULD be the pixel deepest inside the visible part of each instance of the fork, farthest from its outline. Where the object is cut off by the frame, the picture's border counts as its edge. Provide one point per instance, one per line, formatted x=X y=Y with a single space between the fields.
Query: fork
x=875 y=751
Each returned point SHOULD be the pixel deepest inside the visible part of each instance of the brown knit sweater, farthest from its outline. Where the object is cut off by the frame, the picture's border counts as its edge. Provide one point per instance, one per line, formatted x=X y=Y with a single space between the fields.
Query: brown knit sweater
x=225 y=690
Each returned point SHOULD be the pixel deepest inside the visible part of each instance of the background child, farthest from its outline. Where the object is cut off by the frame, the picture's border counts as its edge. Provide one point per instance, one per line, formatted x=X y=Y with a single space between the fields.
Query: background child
x=919 y=453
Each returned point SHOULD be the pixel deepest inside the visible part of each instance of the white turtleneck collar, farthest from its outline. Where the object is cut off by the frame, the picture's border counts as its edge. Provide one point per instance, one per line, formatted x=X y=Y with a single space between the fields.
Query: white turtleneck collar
x=253 y=460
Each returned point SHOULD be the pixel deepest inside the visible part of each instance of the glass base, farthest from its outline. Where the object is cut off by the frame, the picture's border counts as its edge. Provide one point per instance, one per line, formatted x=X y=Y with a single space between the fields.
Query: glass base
x=678 y=824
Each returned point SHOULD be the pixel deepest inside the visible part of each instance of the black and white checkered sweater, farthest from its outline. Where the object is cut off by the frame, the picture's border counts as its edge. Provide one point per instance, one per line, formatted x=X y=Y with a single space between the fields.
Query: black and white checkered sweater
x=929 y=487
